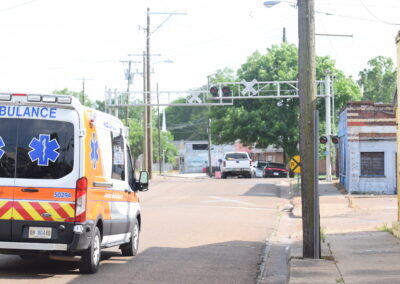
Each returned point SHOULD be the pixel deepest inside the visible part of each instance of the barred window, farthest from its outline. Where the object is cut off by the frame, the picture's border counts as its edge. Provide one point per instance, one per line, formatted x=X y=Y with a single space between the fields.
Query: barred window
x=372 y=163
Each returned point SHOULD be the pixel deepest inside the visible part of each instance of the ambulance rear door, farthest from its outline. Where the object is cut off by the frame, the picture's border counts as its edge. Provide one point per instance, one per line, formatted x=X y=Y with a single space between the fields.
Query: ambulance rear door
x=46 y=171
x=8 y=140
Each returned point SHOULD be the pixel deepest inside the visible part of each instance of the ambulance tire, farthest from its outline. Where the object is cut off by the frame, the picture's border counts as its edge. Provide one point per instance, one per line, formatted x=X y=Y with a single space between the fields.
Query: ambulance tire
x=90 y=260
x=131 y=248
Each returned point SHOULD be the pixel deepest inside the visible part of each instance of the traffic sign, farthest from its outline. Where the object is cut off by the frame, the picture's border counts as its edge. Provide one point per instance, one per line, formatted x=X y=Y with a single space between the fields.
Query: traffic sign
x=294 y=164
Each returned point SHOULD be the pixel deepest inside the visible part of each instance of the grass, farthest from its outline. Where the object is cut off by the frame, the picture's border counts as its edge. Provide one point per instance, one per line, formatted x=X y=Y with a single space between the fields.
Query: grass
x=322 y=234
x=386 y=228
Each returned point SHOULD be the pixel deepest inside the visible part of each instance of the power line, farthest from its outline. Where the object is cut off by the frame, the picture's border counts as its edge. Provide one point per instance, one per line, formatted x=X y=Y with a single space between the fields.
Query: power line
x=378 y=19
x=17 y=6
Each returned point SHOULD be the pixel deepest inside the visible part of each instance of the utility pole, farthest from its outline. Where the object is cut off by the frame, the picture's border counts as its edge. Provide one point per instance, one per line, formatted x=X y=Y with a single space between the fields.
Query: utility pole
x=148 y=90
x=145 y=168
x=83 y=89
x=307 y=94
x=146 y=102
x=284 y=35
x=128 y=76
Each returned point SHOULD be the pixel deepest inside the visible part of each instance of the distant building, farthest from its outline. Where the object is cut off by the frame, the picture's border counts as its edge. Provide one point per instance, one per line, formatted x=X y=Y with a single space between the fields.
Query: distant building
x=193 y=155
x=367 y=148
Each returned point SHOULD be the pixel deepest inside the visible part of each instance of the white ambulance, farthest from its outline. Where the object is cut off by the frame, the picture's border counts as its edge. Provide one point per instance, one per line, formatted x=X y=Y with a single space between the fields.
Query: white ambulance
x=67 y=182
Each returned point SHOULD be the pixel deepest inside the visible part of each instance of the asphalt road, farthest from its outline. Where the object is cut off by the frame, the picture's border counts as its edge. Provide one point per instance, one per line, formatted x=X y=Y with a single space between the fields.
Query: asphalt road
x=194 y=231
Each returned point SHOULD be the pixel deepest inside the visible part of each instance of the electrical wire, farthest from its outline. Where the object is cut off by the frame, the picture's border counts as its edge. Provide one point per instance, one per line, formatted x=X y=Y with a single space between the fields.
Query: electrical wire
x=17 y=6
x=378 y=19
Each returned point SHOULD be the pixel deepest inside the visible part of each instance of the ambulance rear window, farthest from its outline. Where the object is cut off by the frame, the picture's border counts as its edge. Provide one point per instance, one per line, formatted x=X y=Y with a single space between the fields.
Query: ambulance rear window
x=36 y=149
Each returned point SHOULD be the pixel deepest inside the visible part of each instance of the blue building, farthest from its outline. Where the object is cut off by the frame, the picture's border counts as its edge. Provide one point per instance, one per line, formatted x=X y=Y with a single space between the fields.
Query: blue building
x=367 y=148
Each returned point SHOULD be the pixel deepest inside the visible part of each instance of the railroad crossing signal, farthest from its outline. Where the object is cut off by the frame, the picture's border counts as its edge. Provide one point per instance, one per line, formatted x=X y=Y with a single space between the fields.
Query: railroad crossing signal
x=294 y=164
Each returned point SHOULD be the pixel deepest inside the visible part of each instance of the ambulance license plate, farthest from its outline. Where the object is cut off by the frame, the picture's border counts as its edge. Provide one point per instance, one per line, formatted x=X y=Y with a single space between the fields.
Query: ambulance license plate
x=39 y=233
x=276 y=174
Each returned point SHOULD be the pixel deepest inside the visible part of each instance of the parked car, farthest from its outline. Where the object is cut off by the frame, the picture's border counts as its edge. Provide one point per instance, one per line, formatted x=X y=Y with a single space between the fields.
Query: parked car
x=236 y=164
x=257 y=170
x=275 y=170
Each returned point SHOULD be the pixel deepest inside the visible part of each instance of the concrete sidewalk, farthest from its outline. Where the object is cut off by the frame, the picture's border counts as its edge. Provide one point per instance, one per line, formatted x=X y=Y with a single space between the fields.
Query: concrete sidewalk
x=357 y=246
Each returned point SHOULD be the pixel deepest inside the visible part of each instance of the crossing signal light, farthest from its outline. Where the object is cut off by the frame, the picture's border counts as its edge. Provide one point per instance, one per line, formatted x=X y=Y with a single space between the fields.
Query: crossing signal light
x=323 y=139
x=214 y=91
x=335 y=139
x=226 y=91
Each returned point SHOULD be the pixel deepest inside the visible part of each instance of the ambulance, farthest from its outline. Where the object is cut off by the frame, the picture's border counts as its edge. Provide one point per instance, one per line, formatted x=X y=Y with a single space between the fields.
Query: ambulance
x=67 y=181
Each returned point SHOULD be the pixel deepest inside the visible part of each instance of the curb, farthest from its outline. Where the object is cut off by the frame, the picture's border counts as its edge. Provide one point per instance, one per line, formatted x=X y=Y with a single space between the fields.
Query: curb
x=275 y=267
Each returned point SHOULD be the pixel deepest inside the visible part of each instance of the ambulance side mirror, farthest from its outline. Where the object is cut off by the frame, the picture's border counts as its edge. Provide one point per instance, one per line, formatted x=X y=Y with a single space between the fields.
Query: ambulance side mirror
x=144 y=181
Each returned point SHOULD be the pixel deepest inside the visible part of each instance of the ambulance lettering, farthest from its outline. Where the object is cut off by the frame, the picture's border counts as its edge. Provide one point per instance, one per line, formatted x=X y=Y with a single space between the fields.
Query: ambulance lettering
x=43 y=150
x=62 y=195
x=21 y=111
x=113 y=196
x=2 y=144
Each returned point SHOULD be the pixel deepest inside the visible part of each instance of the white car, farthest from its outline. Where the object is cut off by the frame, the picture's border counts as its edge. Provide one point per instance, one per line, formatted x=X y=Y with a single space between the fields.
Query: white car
x=257 y=170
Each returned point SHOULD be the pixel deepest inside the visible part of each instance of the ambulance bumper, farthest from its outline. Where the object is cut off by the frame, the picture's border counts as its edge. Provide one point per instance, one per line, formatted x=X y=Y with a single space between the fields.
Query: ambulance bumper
x=82 y=237
x=80 y=241
x=33 y=246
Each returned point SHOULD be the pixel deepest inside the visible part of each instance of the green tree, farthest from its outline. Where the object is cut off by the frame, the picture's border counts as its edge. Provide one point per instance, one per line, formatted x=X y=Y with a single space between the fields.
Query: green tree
x=264 y=122
x=187 y=123
x=378 y=80
x=136 y=135
x=190 y=123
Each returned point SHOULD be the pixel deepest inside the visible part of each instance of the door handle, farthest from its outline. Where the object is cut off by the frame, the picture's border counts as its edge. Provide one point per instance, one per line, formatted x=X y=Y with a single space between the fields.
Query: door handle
x=30 y=190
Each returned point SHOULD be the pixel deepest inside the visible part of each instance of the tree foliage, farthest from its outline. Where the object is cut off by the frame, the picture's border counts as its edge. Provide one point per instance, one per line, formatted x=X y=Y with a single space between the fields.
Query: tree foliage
x=136 y=138
x=378 y=80
x=264 y=122
x=187 y=123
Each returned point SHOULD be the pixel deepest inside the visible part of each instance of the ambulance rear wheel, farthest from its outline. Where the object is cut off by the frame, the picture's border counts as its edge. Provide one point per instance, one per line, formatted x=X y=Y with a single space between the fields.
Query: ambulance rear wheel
x=131 y=248
x=90 y=260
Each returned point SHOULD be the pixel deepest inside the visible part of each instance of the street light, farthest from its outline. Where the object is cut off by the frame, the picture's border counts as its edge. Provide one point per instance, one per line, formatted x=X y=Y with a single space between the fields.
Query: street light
x=270 y=4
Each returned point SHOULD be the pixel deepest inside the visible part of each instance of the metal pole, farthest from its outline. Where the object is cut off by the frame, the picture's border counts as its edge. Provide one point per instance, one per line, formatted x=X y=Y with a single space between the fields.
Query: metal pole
x=209 y=148
x=328 y=127
x=127 y=93
x=116 y=101
x=144 y=114
x=159 y=130
x=149 y=116
x=317 y=242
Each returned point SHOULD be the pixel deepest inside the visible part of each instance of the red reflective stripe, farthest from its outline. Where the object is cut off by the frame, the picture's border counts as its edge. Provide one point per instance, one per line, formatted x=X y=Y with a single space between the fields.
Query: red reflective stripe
x=60 y=210
x=21 y=95
x=5 y=208
x=21 y=210
x=40 y=210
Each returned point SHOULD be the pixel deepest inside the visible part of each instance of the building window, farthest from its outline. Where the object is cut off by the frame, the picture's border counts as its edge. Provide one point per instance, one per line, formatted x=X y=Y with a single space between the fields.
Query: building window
x=372 y=163
x=200 y=146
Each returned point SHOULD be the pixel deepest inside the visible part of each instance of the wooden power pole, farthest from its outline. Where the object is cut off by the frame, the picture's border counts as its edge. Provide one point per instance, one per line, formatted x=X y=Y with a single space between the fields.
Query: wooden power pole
x=307 y=94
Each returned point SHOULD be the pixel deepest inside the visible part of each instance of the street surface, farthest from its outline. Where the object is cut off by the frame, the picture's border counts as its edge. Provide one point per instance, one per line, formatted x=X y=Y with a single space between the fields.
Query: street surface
x=195 y=230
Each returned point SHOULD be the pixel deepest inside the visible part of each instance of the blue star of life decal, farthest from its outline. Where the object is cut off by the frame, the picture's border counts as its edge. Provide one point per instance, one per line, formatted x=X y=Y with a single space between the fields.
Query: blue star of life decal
x=2 y=144
x=94 y=155
x=43 y=150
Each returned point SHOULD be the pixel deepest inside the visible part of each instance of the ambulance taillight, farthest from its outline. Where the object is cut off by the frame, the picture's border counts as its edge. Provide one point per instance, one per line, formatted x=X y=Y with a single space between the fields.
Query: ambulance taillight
x=81 y=192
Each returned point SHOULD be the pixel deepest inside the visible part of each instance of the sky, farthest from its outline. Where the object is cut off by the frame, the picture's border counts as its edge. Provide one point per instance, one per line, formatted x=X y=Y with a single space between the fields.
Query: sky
x=49 y=45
